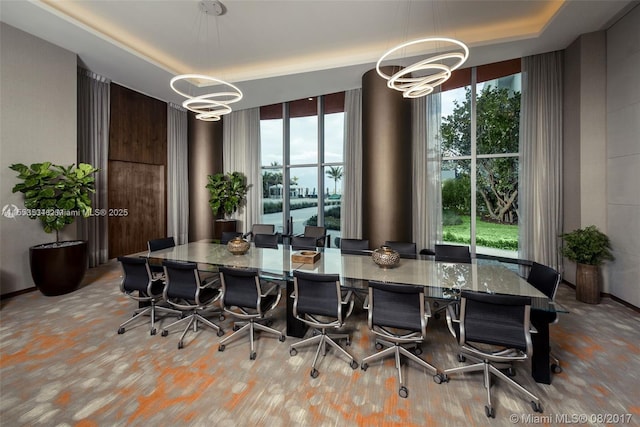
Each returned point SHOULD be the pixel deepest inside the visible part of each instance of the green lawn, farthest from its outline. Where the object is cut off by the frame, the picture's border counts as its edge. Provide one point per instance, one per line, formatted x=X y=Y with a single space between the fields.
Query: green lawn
x=489 y=234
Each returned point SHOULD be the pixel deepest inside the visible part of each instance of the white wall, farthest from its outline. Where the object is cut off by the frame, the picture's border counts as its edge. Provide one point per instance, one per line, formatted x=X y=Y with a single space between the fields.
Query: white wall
x=37 y=124
x=623 y=155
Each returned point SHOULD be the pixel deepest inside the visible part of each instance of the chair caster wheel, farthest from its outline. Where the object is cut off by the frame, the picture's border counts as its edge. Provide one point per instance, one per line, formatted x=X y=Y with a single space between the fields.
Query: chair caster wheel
x=403 y=392
x=418 y=351
x=440 y=378
x=221 y=347
x=282 y=338
x=164 y=333
x=293 y=352
x=556 y=369
x=353 y=364
x=489 y=411
x=314 y=373
x=120 y=331
x=364 y=366
x=348 y=343
x=222 y=317
x=180 y=345
x=536 y=406
x=378 y=346
x=220 y=332
x=461 y=357
x=252 y=356
x=511 y=372
x=153 y=331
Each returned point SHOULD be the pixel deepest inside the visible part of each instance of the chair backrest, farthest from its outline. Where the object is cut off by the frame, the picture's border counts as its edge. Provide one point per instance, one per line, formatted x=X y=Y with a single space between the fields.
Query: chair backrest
x=395 y=305
x=240 y=287
x=501 y=320
x=303 y=242
x=403 y=248
x=354 y=246
x=545 y=279
x=317 y=294
x=320 y=233
x=137 y=276
x=452 y=253
x=182 y=279
x=263 y=229
x=265 y=241
x=228 y=235
x=163 y=243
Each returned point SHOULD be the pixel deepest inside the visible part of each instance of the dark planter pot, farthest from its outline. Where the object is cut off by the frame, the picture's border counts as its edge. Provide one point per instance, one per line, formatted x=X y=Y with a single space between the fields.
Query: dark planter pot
x=58 y=270
x=588 y=283
x=221 y=225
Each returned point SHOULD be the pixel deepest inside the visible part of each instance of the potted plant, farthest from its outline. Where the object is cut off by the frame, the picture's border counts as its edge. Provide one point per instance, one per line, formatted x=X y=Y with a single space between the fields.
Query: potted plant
x=588 y=247
x=227 y=192
x=56 y=195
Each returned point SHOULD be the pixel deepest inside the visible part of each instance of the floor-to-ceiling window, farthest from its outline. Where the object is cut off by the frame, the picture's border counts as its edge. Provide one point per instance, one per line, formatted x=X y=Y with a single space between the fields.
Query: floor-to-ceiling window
x=302 y=163
x=479 y=134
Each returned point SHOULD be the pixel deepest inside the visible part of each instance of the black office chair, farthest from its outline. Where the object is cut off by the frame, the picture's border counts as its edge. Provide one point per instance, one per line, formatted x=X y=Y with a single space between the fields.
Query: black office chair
x=299 y=243
x=269 y=241
x=319 y=303
x=355 y=246
x=397 y=314
x=139 y=285
x=185 y=291
x=260 y=229
x=244 y=298
x=500 y=324
x=452 y=253
x=319 y=233
x=226 y=236
x=405 y=249
x=546 y=280
x=156 y=245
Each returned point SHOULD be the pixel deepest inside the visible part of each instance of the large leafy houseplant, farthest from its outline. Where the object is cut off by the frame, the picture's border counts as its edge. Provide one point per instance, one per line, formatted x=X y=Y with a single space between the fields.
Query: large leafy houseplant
x=588 y=247
x=56 y=195
x=227 y=192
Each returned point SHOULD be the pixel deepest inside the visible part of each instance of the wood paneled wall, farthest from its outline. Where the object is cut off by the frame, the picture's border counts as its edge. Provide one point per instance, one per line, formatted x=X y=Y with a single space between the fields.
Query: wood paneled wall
x=137 y=171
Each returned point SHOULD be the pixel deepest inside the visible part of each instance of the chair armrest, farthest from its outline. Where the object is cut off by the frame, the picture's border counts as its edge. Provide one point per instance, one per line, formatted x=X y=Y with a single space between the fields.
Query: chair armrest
x=365 y=304
x=347 y=298
x=532 y=329
x=270 y=290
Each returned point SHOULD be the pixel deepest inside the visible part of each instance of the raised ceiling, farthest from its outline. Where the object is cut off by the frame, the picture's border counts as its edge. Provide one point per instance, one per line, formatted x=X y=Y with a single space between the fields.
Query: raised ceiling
x=283 y=50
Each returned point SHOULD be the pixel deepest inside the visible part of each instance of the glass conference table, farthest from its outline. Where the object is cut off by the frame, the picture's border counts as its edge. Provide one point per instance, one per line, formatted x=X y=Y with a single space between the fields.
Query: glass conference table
x=441 y=280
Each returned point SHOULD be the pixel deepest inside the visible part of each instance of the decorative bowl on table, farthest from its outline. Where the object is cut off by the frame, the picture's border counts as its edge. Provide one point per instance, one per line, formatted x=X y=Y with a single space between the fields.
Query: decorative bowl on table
x=238 y=246
x=385 y=257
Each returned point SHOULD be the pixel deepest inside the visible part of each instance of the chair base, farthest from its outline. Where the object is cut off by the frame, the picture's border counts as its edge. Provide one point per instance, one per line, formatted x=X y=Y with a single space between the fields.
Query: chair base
x=487 y=368
x=151 y=310
x=396 y=349
x=250 y=327
x=323 y=339
x=193 y=320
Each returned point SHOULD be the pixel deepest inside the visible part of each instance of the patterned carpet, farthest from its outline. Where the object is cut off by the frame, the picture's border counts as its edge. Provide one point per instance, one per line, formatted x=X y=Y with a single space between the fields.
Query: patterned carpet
x=63 y=364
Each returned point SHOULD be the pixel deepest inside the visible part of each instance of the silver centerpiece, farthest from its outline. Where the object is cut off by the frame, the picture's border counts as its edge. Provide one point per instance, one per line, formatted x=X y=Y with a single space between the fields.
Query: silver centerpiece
x=238 y=246
x=385 y=257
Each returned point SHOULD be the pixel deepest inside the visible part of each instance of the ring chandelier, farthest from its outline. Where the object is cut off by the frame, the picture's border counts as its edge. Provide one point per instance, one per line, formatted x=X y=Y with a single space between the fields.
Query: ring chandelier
x=438 y=68
x=209 y=107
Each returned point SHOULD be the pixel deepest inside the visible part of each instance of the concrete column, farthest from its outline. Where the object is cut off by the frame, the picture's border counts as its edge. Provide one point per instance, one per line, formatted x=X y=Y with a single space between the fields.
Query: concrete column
x=386 y=162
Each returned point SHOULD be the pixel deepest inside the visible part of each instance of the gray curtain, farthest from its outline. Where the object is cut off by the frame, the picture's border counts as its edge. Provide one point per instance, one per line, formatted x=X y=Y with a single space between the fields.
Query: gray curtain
x=241 y=153
x=177 y=174
x=540 y=189
x=351 y=211
x=427 y=194
x=93 y=148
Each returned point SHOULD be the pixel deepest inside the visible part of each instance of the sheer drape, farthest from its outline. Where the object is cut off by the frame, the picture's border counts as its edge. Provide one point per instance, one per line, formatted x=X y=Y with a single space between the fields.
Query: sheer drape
x=241 y=153
x=427 y=209
x=540 y=189
x=177 y=174
x=351 y=211
x=93 y=148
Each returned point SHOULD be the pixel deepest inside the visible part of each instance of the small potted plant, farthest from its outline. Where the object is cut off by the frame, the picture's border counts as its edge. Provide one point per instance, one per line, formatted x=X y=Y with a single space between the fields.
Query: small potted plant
x=228 y=192
x=56 y=195
x=589 y=248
